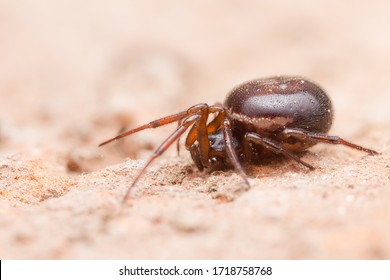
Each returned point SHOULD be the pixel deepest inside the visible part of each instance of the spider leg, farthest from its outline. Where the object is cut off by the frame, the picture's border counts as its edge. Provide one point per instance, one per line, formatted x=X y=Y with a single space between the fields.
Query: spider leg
x=320 y=137
x=200 y=131
x=215 y=124
x=162 y=148
x=228 y=138
x=178 y=139
x=203 y=138
x=159 y=122
x=195 y=155
x=200 y=134
x=193 y=134
x=271 y=145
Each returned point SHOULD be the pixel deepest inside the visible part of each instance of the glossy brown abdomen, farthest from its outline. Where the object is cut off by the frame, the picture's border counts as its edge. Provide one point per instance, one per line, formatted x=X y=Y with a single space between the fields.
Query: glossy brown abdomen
x=267 y=106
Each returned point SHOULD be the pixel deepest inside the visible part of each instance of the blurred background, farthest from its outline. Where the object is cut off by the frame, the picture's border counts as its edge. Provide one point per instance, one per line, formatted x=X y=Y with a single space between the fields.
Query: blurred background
x=67 y=64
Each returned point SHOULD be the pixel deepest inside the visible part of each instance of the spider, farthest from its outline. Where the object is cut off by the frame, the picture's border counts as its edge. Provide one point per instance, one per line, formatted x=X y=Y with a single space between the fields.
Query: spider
x=260 y=118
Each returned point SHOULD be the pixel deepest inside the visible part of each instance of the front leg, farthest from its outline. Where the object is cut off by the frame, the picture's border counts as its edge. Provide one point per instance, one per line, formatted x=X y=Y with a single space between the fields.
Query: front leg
x=195 y=155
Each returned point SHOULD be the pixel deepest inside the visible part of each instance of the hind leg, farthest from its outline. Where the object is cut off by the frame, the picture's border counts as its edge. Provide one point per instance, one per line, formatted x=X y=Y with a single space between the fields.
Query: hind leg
x=304 y=135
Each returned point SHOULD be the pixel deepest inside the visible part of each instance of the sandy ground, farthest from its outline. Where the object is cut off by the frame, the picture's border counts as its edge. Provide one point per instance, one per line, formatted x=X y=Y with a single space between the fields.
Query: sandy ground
x=74 y=73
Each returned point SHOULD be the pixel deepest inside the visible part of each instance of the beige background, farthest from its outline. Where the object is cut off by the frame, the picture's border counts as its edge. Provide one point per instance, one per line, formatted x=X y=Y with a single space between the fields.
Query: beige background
x=74 y=73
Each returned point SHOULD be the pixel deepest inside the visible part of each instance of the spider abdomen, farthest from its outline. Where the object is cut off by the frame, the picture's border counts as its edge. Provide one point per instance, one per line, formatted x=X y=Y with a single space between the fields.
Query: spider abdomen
x=267 y=106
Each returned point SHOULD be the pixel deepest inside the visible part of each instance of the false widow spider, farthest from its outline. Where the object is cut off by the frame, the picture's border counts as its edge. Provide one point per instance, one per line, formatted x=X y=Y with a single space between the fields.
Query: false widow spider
x=260 y=118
